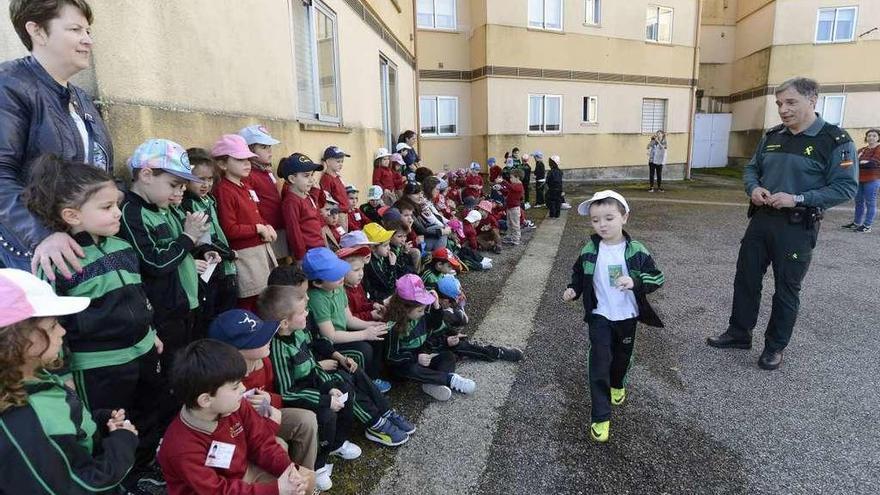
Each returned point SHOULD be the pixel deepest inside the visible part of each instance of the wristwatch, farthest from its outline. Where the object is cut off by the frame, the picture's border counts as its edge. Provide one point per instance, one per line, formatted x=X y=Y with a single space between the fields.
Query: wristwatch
x=798 y=199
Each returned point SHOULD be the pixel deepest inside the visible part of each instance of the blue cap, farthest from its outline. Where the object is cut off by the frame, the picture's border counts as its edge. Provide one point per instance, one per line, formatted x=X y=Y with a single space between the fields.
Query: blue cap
x=538 y=154
x=242 y=329
x=257 y=134
x=449 y=286
x=334 y=152
x=295 y=164
x=162 y=154
x=491 y=161
x=323 y=264
x=475 y=166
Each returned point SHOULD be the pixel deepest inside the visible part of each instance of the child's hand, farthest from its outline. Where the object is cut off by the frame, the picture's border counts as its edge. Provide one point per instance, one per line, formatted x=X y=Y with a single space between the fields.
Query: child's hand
x=568 y=295
x=271 y=235
x=258 y=398
x=425 y=359
x=452 y=340
x=375 y=332
x=201 y=266
x=328 y=364
x=160 y=346
x=275 y=415
x=436 y=298
x=290 y=482
x=117 y=421
x=378 y=307
x=336 y=404
x=195 y=225
x=212 y=257
x=376 y=314
x=624 y=283
x=392 y=258
x=350 y=365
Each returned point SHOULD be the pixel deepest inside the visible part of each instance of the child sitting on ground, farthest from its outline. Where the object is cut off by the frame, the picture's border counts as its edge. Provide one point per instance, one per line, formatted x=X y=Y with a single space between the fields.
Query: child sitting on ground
x=383 y=270
x=442 y=262
x=361 y=306
x=51 y=441
x=612 y=275
x=408 y=257
x=407 y=354
x=370 y=209
x=488 y=232
x=298 y=207
x=331 y=231
x=328 y=304
x=297 y=427
x=355 y=217
x=447 y=321
x=218 y=443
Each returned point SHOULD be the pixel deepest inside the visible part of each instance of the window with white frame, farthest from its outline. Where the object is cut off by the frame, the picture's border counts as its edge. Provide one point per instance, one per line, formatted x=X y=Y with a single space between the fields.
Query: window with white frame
x=591 y=109
x=317 y=61
x=593 y=12
x=438 y=115
x=836 y=25
x=436 y=14
x=545 y=14
x=545 y=113
x=830 y=108
x=653 y=115
x=658 y=24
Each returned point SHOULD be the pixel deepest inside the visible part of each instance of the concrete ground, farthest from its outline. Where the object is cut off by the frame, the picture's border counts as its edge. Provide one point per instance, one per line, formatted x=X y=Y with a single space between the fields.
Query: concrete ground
x=697 y=419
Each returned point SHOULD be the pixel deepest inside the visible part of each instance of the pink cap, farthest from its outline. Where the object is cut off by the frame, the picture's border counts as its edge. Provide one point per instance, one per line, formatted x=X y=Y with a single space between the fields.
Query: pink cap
x=25 y=296
x=397 y=158
x=411 y=288
x=457 y=227
x=232 y=145
x=485 y=205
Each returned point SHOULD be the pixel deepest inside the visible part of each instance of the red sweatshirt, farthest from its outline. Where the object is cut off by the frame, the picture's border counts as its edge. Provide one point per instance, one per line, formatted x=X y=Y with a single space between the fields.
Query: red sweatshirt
x=487 y=224
x=264 y=379
x=303 y=223
x=263 y=181
x=355 y=219
x=358 y=303
x=333 y=185
x=494 y=172
x=384 y=177
x=473 y=186
x=470 y=234
x=237 y=207
x=187 y=444
x=514 y=195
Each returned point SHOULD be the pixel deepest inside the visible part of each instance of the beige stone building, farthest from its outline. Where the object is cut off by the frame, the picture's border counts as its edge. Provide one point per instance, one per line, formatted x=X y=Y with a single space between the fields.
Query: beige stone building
x=316 y=72
x=589 y=80
x=750 y=46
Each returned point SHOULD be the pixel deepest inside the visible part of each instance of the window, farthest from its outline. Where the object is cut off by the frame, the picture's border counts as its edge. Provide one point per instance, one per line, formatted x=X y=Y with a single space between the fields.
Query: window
x=317 y=61
x=830 y=108
x=593 y=12
x=591 y=109
x=545 y=113
x=436 y=14
x=658 y=24
x=653 y=115
x=388 y=88
x=835 y=25
x=545 y=14
x=438 y=115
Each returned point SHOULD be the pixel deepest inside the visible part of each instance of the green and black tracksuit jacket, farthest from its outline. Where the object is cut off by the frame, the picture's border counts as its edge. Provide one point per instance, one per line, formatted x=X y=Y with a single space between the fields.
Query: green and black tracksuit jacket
x=52 y=445
x=167 y=267
x=403 y=349
x=191 y=204
x=646 y=277
x=380 y=276
x=116 y=327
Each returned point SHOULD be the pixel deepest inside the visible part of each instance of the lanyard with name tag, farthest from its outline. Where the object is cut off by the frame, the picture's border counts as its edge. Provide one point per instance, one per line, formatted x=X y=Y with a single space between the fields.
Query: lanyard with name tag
x=220 y=455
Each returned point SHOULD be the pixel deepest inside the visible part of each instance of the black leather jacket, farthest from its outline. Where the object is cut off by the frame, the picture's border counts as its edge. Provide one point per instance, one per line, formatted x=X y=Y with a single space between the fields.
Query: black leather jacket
x=35 y=119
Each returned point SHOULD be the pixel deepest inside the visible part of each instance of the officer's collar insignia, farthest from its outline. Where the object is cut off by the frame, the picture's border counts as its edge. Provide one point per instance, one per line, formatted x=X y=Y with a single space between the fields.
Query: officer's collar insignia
x=808 y=150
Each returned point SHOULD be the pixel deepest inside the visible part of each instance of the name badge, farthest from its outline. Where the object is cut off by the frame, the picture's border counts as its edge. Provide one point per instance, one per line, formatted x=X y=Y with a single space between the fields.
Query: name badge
x=340 y=230
x=357 y=216
x=254 y=195
x=220 y=455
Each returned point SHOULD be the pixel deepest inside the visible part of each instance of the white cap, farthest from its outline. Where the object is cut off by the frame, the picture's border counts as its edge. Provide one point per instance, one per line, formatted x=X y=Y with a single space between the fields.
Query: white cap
x=473 y=216
x=381 y=153
x=402 y=146
x=584 y=208
x=25 y=296
x=375 y=192
x=555 y=159
x=257 y=134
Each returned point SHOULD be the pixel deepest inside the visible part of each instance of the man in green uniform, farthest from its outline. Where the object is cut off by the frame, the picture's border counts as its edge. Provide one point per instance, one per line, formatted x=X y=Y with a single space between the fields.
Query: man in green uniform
x=801 y=167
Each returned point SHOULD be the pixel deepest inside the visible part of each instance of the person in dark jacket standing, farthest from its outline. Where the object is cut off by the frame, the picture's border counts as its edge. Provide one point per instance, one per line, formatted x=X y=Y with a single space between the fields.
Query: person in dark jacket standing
x=539 y=174
x=801 y=167
x=554 y=188
x=41 y=112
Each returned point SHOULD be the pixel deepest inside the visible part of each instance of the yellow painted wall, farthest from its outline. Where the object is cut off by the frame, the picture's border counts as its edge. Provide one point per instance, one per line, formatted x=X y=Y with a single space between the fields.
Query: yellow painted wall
x=717 y=44
x=745 y=8
x=716 y=79
x=755 y=32
x=798 y=25
x=751 y=71
x=832 y=63
x=719 y=12
x=400 y=23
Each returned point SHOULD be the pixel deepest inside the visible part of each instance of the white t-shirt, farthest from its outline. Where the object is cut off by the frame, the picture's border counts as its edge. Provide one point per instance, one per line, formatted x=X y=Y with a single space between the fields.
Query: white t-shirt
x=83 y=132
x=612 y=303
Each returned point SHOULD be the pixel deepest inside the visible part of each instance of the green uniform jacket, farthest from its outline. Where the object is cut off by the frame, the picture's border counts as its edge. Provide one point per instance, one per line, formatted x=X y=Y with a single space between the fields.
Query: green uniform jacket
x=646 y=277
x=299 y=379
x=192 y=203
x=51 y=445
x=167 y=268
x=115 y=328
x=821 y=163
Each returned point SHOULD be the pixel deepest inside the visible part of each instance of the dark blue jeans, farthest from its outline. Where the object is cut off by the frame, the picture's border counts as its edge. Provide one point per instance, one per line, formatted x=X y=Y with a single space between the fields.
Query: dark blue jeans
x=611 y=348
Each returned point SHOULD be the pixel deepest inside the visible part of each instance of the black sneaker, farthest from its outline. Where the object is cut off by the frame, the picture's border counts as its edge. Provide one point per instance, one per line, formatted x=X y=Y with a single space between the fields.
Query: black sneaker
x=863 y=228
x=511 y=354
x=851 y=225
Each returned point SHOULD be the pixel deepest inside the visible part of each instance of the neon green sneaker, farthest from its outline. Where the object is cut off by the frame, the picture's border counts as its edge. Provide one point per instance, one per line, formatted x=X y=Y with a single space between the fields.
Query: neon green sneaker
x=599 y=432
x=618 y=396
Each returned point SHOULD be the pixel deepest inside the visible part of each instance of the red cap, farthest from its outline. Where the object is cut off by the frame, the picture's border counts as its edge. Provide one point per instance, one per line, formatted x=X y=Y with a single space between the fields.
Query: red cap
x=443 y=254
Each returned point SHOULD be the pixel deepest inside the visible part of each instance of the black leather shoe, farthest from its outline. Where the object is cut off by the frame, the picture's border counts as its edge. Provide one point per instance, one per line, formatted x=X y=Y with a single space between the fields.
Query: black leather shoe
x=770 y=360
x=725 y=341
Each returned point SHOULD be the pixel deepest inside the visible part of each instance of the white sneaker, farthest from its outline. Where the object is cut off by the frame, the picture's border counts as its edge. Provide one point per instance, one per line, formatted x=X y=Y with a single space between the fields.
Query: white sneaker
x=438 y=392
x=527 y=205
x=322 y=479
x=486 y=264
x=565 y=206
x=347 y=451
x=462 y=384
x=487 y=258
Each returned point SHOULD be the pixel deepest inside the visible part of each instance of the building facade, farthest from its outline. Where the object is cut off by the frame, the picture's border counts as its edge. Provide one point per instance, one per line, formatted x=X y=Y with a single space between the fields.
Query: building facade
x=748 y=47
x=589 y=80
x=315 y=72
